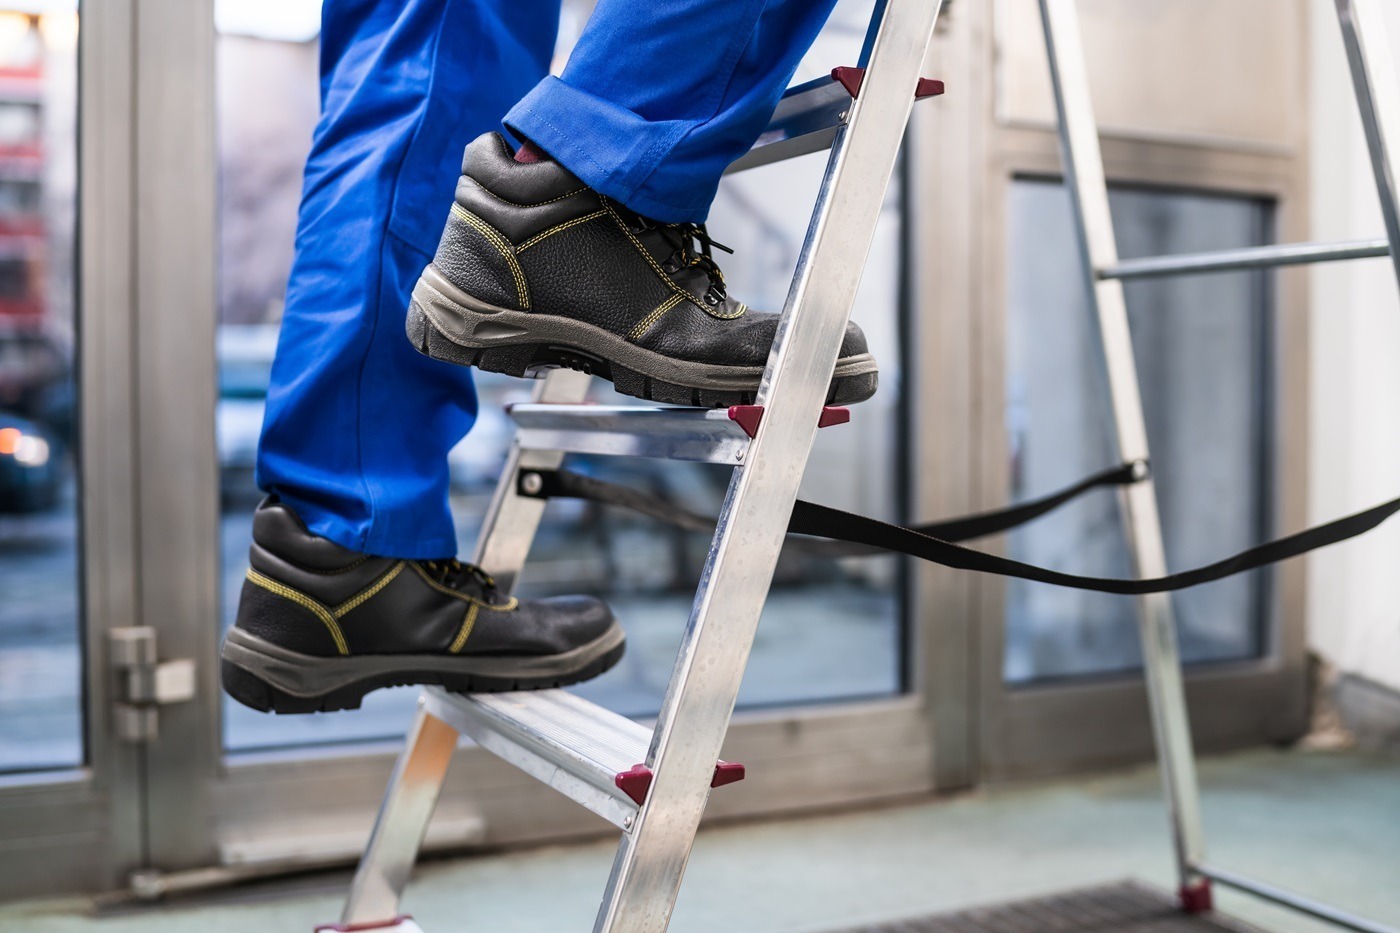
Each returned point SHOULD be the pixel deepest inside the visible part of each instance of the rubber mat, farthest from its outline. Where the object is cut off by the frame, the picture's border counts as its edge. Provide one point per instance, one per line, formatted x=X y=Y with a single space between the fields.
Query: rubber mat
x=1124 y=907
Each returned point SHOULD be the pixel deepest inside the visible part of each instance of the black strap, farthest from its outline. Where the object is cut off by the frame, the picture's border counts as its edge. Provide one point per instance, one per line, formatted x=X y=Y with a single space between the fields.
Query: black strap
x=853 y=535
x=566 y=484
x=811 y=519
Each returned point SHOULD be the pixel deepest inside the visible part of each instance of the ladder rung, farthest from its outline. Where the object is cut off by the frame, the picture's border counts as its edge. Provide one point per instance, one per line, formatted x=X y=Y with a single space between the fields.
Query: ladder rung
x=707 y=435
x=1259 y=257
x=574 y=746
x=805 y=121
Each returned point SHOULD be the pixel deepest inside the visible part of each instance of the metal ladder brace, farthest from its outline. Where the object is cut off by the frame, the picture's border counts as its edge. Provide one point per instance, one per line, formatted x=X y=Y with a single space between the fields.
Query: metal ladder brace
x=1378 y=96
x=654 y=785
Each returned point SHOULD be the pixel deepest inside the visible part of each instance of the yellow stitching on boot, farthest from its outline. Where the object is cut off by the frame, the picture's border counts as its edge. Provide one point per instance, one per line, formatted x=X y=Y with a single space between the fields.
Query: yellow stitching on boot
x=509 y=606
x=645 y=324
x=306 y=602
x=501 y=244
x=344 y=608
x=670 y=283
x=559 y=229
x=468 y=622
x=666 y=278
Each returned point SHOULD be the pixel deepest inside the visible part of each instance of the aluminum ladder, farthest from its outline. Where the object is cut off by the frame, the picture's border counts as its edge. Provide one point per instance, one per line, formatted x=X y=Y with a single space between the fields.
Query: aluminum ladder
x=654 y=784
x=1378 y=96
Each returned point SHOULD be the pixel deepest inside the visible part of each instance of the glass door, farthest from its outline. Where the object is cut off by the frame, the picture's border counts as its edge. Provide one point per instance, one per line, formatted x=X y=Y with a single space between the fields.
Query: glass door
x=70 y=796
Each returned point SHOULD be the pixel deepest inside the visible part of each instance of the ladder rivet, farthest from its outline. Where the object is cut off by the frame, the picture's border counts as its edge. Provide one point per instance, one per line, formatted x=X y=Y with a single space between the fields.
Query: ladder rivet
x=532 y=483
x=739 y=455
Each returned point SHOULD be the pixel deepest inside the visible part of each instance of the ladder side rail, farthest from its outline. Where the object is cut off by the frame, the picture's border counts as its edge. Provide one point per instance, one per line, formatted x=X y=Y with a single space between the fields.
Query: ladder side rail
x=413 y=789
x=700 y=698
x=1374 y=78
x=511 y=519
x=401 y=823
x=1084 y=177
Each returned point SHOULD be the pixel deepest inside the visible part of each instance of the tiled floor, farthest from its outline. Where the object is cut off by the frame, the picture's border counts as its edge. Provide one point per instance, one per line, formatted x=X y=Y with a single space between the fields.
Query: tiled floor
x=1325 y=823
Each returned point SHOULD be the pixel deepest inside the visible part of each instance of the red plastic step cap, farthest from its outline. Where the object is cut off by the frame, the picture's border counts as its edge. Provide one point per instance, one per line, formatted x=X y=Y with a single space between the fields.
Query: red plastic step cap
x=852 y=78
x=748 y=417
x=635 y=782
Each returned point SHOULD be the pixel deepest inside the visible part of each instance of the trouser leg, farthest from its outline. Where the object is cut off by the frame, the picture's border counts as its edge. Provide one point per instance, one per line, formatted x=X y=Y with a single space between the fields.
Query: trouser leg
x=359 y=424
x=658 y=98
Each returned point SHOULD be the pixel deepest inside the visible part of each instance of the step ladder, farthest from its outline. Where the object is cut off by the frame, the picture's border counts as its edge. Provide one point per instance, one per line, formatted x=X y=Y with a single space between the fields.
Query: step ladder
x=1378 y=96
x=654 y=784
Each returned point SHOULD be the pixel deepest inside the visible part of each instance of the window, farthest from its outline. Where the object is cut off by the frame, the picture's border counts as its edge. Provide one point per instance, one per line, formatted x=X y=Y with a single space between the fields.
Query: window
x=1202 y=346
x=40 y=653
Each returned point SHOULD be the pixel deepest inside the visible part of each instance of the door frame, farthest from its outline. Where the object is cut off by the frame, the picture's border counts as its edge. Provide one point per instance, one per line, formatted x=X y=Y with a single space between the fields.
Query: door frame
x=83 y=828
x=986 y=730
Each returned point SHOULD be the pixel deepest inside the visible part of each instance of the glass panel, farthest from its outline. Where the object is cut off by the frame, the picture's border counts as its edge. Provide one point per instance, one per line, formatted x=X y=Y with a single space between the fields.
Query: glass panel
x=1202 y=346
x=832 y=629
x=40 y=648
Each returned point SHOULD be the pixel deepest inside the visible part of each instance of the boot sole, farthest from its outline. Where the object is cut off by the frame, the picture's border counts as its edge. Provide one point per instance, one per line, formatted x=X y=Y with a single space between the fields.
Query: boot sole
x=270 y=678
x=447 y=324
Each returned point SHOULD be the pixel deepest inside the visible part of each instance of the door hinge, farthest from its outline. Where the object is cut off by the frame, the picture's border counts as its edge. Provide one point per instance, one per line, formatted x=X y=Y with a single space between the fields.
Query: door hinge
x=143 y=684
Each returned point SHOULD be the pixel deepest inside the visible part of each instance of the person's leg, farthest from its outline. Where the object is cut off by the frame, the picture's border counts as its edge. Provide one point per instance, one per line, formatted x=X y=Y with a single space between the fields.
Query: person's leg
x=582 y=248
x=358 y=426
x=658 y=98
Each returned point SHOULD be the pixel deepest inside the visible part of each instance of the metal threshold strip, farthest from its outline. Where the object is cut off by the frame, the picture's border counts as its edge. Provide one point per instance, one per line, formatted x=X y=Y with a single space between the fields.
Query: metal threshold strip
x=1259 y=257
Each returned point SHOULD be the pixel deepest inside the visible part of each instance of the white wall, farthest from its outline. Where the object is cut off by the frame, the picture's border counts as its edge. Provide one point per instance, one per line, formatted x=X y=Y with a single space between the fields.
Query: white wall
x=1354 y=589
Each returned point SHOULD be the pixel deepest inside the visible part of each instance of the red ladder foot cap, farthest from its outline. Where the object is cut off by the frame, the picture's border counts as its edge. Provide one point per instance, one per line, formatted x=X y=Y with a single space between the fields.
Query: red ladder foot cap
x=362 y=927
x=1196 y=898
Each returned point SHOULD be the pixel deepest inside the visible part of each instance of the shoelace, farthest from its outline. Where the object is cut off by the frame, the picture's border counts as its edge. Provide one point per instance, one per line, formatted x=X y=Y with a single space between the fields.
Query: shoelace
x=684 y=237
x=453 y=573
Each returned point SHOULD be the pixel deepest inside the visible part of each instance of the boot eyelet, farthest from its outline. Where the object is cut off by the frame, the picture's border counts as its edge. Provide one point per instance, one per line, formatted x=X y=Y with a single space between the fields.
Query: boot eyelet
x=710 y=299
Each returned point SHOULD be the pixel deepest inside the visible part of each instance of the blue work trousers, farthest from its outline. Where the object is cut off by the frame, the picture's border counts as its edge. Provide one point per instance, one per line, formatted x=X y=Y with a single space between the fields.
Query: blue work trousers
x=656 y=99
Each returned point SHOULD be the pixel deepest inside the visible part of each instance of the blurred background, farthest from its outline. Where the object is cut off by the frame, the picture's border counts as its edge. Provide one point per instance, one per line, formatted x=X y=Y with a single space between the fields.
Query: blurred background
x=142 y=267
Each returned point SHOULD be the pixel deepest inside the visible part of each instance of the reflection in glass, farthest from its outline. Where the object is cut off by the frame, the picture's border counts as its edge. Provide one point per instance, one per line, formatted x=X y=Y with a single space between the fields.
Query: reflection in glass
x=1202 y=347
x=40 y=652
x=831 y=630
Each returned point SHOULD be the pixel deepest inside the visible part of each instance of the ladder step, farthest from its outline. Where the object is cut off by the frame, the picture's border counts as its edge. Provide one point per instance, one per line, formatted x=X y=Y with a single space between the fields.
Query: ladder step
x=805 y=121
x=1258 y=257
x=704 y=435
x=809 y=114
x=588 y=753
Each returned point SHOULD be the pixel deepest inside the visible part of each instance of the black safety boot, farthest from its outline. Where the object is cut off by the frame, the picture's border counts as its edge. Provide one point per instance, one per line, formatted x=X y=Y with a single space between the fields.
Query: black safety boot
x=535 y=270
x=319 y=626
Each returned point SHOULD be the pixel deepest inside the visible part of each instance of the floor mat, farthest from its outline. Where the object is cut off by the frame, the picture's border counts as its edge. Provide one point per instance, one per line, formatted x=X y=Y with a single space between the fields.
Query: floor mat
x=1124 y=907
